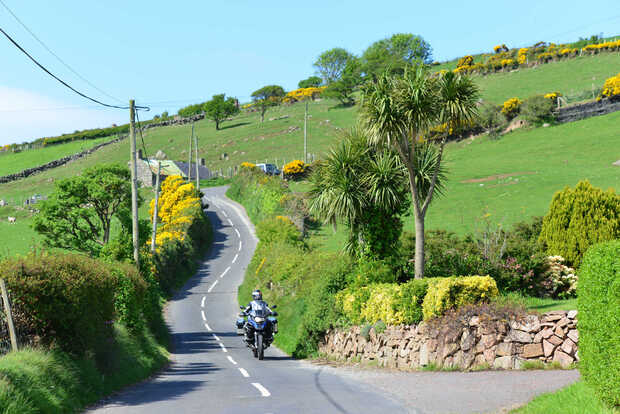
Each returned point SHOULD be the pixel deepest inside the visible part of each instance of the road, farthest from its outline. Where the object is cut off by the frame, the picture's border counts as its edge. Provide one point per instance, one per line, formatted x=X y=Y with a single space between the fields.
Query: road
x=212 y=371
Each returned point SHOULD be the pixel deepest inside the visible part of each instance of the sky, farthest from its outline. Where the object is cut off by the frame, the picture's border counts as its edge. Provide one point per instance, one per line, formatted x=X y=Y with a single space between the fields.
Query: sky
x=171 y=54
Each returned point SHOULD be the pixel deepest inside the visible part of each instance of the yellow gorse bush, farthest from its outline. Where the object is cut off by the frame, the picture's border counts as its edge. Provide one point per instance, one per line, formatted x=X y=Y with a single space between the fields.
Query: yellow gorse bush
x=553 y=95
x=610 y=46
x=302 y=94
x=611 y=86
x=453 y=292
x=511 y=107
x=248 y=165
x=294 y=167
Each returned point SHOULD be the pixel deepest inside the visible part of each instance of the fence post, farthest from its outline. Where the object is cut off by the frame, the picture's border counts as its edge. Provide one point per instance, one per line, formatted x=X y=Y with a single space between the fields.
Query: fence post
x=9 y=315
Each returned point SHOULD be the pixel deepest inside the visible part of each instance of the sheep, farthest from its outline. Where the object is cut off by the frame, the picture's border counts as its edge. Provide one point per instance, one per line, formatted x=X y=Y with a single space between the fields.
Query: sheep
x=12 y=220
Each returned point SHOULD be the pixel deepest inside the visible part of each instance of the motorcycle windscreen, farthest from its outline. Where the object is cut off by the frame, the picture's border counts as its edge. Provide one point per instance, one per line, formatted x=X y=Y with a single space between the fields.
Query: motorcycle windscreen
x=259 y=309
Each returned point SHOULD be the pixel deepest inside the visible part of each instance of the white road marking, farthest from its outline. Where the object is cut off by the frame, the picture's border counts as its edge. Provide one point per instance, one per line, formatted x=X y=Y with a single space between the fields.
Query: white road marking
x=263 y=391
x=224 y=213
x=212 y=286
x=236 y=257
x=216 y=337
x=238 y=234
x=223 y=347
x=244 y=372
x=240 y=244
x=202 y=302
x=225 y=271
x=204 y=318
x=208 y=327
x=232 y=360
x=230 y=221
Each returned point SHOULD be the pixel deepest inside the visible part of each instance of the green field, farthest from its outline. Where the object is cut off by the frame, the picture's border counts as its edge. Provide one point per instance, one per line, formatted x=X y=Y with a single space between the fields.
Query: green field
x=13 y=162
x=577 y=398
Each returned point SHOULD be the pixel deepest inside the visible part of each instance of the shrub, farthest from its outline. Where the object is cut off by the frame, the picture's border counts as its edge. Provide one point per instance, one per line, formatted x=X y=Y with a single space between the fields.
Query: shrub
x=538 y=109
x=599 y=320
x=558 y=280
x=491 y=117
x=380 y=327
x=453 y=292
x=465 y=61
x=278 y=229
x=294 y=169
x=411 y=298
x=511 y=107
x=611 y=88
x=579 y=218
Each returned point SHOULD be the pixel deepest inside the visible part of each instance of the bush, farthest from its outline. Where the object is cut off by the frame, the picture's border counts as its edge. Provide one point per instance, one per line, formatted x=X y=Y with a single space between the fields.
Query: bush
x=611 y=88
x=278 y=229
x=538 y=109
x=294 y=169
x=453 y=292
x=511 y=107
x=579 y=218
x=491 y=118
x=599 y=320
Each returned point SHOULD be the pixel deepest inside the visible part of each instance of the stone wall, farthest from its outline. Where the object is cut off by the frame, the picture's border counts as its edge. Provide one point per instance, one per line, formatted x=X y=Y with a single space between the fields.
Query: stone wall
x=587 y=110
x=476 y=341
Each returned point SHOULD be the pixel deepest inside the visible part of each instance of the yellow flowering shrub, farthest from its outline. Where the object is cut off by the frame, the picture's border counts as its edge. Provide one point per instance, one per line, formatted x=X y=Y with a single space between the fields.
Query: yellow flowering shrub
x=247 y=165
x=465 y=61
x=609 y=46
x=500 y=48
x=444 y=294
x=612 y=86
x=302 y=94
x=507 y=62
x=511 y=107
x=553 y=95
x=296 y=167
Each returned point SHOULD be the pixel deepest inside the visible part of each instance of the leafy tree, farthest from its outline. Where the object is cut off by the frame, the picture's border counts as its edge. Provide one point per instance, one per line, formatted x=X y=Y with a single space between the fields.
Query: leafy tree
x=219 y=108
x=78 y=214
x=395 y=54
x=398 y=111
x=312 y=81
x=365 y=188
x=191 y=110
x=579 y=218
x=343 y=88
x=332 y=63
x=267 y=96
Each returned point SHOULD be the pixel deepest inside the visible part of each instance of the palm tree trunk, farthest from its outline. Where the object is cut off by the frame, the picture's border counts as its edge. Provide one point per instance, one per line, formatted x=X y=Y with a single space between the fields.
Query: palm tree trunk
x=419 y=245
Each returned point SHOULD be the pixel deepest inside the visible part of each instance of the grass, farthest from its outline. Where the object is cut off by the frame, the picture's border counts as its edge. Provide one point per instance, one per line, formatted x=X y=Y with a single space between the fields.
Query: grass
x=13 y=162
x=541 y=305
x=577 y=398
x=34 y=380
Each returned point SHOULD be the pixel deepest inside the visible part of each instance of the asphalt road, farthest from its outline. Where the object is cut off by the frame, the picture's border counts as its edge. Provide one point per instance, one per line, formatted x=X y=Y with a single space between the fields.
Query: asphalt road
x=212 y=371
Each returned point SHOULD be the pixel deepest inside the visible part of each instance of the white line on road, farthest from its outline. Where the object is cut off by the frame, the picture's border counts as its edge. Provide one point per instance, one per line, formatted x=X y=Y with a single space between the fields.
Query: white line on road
x=212 y=286
x=232 y=360
x=208 y=327
x=216 y=337
x=230 y=221
x=236 y=257
x=225 y=271
x=240 y=244
x=263 y=391
x=224 y=213
x=204 y=318
x=244 y=372
x=202 y=302
x=238 y=234
x=223 y=347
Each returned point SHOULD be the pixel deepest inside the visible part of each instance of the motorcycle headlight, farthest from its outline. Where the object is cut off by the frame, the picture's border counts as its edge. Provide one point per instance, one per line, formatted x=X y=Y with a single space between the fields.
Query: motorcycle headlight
x=258 y=319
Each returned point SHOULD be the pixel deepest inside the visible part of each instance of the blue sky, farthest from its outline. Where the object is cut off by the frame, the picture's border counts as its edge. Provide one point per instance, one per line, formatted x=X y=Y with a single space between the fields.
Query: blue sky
x=169 y=54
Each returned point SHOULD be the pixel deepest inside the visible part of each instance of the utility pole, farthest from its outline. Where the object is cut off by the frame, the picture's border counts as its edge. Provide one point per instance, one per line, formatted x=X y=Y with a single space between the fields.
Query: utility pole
x=156 y=209
x=306 y=134
x=9 y=315
x=134 y=182
x=197 y=171
x=189 y=158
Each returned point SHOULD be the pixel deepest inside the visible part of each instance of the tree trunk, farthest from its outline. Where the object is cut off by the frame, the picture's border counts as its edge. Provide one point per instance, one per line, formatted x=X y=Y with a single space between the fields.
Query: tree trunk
x=419 y=246
x=217 y=125
x=262 y=113
x=106 y=232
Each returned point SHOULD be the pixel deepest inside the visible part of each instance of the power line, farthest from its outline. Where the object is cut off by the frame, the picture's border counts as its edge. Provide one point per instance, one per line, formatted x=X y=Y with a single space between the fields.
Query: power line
x=141 y=136
x=60 y=80
x=54 y=54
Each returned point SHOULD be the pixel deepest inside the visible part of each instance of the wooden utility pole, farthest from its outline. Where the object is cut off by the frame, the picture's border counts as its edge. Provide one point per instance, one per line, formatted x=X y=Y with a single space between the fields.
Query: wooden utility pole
x=9 y=315
x=306 y=134
x=197 y=171
x=189 y=158
x=134 y=182
x=156 y=209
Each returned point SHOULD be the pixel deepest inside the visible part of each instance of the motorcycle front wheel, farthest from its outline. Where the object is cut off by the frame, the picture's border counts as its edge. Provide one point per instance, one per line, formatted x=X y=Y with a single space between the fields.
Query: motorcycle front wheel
x=259 y=346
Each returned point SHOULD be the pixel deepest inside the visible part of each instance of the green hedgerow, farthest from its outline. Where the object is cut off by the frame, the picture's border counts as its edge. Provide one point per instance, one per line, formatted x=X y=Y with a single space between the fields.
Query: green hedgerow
x=448 y=293
x=579 y=218
x=598 y=302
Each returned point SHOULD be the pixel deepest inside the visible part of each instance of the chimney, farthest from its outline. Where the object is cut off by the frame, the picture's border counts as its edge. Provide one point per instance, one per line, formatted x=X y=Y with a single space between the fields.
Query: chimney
x=203 y=162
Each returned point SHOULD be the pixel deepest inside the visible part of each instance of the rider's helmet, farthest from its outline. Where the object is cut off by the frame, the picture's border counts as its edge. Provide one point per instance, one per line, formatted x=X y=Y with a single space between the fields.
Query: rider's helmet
x=257 y=295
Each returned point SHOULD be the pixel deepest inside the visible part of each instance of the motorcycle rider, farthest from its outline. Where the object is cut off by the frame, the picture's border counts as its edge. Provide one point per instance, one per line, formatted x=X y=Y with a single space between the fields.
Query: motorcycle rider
x=257 y=303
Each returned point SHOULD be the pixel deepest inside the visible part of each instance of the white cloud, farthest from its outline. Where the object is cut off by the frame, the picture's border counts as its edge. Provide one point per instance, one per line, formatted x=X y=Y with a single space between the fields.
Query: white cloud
x=25 y=116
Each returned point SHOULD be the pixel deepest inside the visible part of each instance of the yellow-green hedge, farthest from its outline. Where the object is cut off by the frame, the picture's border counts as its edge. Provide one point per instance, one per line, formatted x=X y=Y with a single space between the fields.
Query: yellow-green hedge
x=453 y=292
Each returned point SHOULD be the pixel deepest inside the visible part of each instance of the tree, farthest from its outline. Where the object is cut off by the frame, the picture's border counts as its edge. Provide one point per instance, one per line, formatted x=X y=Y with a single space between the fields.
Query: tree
x=364 y=187
x=398 y=111
x=343 y=88
x=267 y=96
x=331 y=64
x=219 y=108
x=78 y=214
x=311 y=82
x=191 y=110
x=395 y=54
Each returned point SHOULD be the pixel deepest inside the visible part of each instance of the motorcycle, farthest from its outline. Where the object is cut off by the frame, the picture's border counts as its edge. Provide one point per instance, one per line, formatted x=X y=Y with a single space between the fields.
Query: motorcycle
x=258 y=325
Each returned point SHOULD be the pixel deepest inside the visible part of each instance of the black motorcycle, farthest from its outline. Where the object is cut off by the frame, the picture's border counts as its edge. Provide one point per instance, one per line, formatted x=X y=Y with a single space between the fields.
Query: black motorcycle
x=258 y=325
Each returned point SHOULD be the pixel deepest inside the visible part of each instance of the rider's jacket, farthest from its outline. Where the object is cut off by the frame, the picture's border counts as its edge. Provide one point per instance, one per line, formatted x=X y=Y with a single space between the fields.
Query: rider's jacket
x=258 y=305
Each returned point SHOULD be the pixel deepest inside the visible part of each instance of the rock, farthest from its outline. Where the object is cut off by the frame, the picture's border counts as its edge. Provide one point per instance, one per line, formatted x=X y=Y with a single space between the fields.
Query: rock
x=503 y=362
x=424 y=354
x=546 y=125
x=517 y=363
x=546 y=333
x=563 y=358
x=432 y=345
x=449 y=349
x=488 y=340
x=467 y=359
x=573 y=335
x=538 y=337
x=480 y=360
x=548 y=348
x=474 y=321
x=532 y=351
x=553 y=316
x=489 y=355
x=563 y=322
x=572 y=314
x=519 y=336
x=403 y=353
x=569 y=346
x=467 y=340
x=555 y=340
x=505 y=348
x=530 y=323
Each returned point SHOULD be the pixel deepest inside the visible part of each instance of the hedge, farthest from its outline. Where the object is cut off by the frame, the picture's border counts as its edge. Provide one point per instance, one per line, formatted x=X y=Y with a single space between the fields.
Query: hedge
x=598 y=302
x=453 y=292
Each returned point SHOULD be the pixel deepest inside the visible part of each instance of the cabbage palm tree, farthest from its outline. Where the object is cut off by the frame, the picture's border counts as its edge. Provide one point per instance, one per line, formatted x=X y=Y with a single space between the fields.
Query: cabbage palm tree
x=399 y=111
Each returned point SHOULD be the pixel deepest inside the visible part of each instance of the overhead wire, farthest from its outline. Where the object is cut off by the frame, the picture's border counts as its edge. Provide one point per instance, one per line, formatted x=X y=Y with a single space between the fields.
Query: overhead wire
x=141 y=136
x=55 y=55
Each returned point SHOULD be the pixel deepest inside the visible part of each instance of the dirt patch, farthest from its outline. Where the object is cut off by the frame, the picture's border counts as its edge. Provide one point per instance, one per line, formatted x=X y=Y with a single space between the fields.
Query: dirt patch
x=497 y=177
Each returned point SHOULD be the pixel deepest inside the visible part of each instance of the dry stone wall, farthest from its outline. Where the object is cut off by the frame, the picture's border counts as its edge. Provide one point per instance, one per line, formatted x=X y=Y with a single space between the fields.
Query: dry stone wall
x=587 y=110
x=478 y=341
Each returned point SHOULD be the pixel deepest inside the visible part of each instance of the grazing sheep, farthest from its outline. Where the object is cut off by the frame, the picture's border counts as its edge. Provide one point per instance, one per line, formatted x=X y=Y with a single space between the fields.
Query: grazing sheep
x=12 y=220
